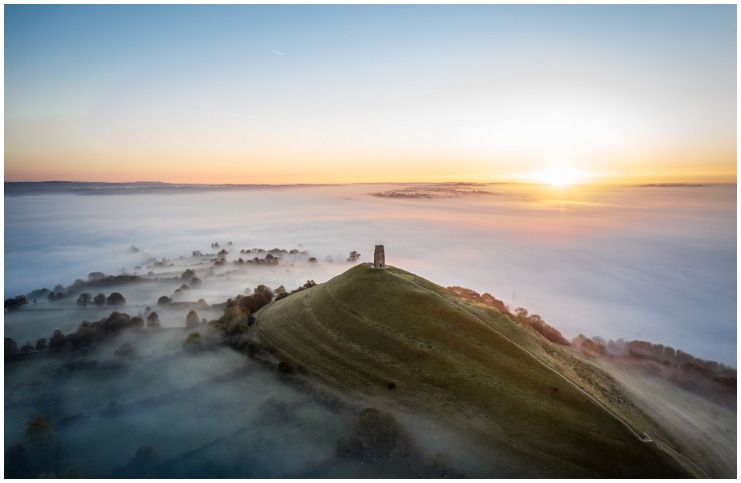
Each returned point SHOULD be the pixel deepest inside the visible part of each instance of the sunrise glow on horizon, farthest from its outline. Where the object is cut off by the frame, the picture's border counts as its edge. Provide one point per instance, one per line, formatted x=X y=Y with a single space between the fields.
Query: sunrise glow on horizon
x=349 y=94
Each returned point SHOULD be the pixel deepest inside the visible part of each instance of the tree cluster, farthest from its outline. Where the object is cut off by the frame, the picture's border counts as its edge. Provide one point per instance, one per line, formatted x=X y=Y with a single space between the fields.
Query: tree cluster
x=658 y=353
x=534 y=321
x=15 y=303
x=115 y=298
x=86 y=334
x=269 y=259
x=238 y=316
x=281 y=293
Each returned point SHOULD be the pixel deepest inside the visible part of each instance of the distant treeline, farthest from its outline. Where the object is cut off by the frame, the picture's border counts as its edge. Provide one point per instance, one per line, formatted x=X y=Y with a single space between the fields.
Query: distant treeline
x=666 y=359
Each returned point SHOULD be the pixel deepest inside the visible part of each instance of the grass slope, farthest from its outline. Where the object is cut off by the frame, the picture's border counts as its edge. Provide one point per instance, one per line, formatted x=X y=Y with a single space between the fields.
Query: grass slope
x=463 y=363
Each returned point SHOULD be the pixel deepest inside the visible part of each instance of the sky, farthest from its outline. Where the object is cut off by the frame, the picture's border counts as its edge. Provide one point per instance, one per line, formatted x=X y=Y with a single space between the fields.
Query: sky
x=325 y=94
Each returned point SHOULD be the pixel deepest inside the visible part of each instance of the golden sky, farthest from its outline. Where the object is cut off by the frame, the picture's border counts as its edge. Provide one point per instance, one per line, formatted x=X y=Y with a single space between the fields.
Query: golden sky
x=250 y=94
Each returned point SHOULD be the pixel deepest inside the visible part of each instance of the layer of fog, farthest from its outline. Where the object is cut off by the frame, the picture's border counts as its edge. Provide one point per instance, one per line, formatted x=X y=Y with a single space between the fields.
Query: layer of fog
x=704 y=431
x=654 y=263
x=162 y=277
x=160 y=410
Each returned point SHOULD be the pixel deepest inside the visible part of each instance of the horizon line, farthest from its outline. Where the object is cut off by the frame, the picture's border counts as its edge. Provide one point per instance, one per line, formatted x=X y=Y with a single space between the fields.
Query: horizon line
x=651 y=182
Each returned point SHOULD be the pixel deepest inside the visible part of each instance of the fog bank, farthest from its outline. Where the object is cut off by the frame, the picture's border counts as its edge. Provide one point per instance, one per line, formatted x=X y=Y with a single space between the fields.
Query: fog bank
x=652 y=263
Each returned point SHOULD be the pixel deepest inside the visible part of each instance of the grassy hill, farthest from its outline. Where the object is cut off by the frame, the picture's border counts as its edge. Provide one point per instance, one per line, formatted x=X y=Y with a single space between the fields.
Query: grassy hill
x=395 y=338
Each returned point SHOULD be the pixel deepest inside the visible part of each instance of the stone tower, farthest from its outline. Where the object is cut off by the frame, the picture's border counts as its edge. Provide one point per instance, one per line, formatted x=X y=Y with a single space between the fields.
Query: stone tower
x=379 y=259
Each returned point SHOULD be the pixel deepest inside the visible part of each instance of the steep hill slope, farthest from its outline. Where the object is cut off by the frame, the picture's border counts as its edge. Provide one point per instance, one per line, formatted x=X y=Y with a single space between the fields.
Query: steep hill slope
x=395 y=338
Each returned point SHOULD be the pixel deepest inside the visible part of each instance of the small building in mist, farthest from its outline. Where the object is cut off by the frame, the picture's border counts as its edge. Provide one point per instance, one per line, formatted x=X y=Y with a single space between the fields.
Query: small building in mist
x=379 y=257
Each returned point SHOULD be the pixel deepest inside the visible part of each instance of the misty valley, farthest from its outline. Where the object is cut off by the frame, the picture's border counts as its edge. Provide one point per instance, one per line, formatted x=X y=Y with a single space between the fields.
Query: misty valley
x=158 y=330
x=206 y=365
x=370 y=241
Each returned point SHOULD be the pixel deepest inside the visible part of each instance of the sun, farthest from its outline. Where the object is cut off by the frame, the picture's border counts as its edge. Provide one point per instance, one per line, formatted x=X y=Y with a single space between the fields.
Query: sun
x=559 y=176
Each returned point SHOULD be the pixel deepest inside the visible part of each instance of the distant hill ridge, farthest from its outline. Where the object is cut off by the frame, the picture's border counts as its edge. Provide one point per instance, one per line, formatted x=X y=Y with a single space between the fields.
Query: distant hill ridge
x=27 y=188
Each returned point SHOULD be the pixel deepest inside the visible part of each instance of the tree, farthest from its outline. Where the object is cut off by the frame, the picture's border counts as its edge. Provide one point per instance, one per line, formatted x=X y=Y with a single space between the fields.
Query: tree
x=11 y=348
x=164 y=300
x=252 y=303
x=76 y=285
x=153 y=320
x=191 y=320
x=312 y=260
x=187 y=275
x=281 y=292
x=137 y=322
x=116 y=299
x=193 y=342
x=265 y=291
x=354 y=256
x=84 y=299
x=27 y=348
x=57 y=341
x=99 y=299
x=195 y=282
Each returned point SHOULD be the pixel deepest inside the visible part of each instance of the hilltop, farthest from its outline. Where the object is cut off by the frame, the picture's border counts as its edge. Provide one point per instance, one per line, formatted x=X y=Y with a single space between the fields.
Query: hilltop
x=396 y=339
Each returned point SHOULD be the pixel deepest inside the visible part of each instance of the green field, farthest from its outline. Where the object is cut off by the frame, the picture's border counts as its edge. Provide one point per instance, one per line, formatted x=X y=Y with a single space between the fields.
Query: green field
x=391 y=337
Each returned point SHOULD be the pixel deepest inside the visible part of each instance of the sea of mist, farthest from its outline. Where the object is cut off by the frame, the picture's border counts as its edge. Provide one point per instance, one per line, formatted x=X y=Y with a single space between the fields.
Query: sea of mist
x=641 y=262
